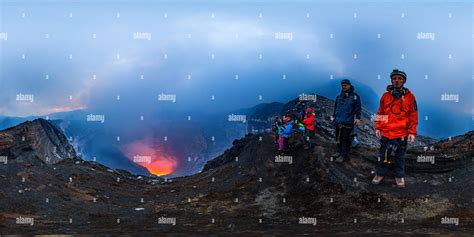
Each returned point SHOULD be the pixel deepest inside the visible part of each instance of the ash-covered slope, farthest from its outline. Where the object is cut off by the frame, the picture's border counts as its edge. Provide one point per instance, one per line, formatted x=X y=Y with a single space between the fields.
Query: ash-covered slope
x=342 y=198
x=243 y=191
x=62 y=194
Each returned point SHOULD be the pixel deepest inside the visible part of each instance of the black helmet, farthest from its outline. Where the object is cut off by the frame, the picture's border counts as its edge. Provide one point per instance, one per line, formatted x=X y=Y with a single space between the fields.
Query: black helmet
x=398 y=72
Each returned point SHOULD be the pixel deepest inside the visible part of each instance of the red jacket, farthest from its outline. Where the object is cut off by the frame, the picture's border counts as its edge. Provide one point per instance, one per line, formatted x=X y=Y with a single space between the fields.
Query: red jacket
x=308 y=122
x=397 y=117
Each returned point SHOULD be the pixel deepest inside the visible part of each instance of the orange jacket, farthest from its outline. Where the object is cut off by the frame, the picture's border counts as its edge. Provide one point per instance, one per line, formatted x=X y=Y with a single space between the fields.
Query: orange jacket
x=309 y=122
x=397 y=117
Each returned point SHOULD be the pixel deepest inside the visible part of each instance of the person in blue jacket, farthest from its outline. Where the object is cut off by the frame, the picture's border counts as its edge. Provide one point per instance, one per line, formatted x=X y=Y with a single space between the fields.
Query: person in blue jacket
x=347 y=111
x=287 y=131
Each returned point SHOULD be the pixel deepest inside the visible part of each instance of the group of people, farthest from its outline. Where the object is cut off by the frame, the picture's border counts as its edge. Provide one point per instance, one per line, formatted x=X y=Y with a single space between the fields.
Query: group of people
x=295 y=121
x=395 y=124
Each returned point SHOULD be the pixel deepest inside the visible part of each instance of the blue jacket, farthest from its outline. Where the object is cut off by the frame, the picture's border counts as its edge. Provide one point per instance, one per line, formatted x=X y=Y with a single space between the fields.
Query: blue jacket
x=288 y=129
x=348 y=106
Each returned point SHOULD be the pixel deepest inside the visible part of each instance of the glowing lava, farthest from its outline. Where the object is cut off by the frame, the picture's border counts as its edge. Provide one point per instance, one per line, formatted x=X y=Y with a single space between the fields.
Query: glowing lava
x=161 y=167
x=152 y=157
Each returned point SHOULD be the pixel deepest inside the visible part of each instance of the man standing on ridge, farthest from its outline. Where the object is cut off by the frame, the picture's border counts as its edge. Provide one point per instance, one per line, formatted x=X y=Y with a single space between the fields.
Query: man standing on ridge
x=347 y=110
x=395 y=123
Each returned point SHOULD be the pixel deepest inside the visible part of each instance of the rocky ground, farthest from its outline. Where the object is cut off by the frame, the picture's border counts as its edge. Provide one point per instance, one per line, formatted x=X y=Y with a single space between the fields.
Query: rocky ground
x=244 y=191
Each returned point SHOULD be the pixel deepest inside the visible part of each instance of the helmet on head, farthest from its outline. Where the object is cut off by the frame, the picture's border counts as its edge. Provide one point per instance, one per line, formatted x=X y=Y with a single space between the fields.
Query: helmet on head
x=398 y=73
x=346 y=81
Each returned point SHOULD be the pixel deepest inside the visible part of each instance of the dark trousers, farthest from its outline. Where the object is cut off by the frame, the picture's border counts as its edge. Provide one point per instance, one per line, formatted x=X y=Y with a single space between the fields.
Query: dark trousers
x=275 y=133
x=285 y=143
x=308 y=136
x=343 y=139
x=392 y=153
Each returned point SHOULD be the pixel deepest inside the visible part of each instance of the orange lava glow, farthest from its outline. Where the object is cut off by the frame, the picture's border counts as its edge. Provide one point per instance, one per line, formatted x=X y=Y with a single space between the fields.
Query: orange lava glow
x=161 y=167
x=150 y=156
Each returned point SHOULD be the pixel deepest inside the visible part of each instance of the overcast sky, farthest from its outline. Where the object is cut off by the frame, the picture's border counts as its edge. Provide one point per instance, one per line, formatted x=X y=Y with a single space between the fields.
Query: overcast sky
x=232 y=52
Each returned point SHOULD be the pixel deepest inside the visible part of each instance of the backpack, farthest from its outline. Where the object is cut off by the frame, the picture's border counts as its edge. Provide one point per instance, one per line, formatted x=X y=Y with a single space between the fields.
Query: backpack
x=301 y=127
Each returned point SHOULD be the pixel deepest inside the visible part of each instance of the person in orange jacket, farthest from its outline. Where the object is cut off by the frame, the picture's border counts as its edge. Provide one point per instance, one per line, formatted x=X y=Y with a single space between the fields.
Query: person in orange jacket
x=396 y=122
x=308 y=123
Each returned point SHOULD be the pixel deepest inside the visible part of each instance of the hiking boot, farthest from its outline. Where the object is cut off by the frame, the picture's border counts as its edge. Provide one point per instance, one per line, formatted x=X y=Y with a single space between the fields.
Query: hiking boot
x=335 y=155
x=377 y=179
x=400 y=182
x=340 y=159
